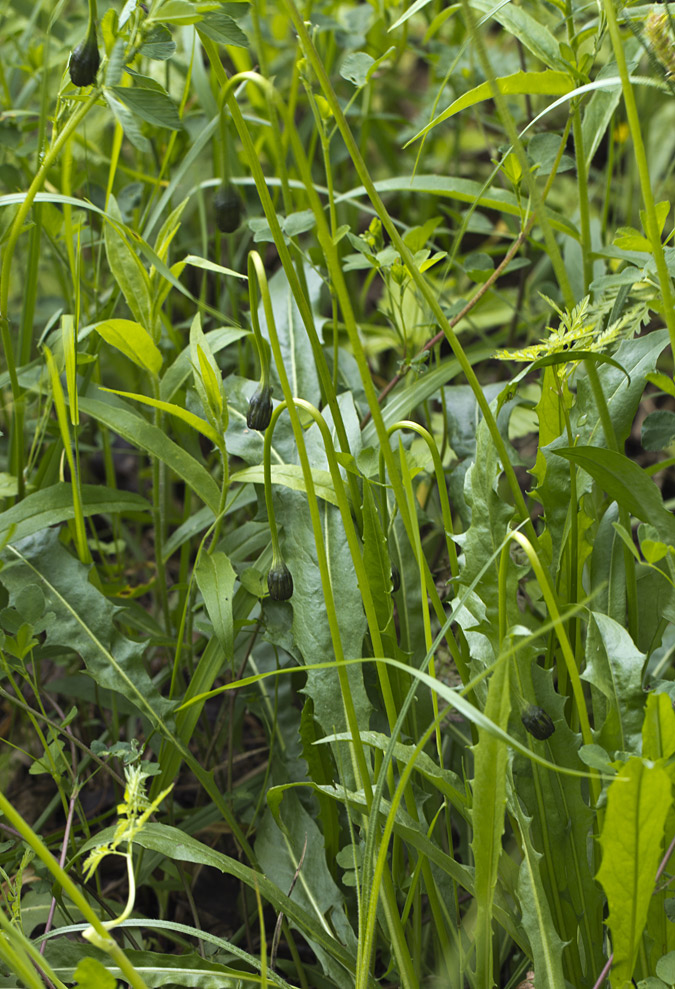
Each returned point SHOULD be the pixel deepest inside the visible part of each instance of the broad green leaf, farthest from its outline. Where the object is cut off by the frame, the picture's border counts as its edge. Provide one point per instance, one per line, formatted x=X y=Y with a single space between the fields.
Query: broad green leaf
x=614 y=667
x=290 y=476
x=658 y=430
x=487 y=818
x=215 y=579
x=311 y=631
x=546 y=83
x=158 y=44
x=637 y=805
x=462 y=418
x=490 y=521
x=559 y=823
x=355 y=67
x=143 y=435
x=630 y=239
x=127 y=121
x=665 y=968
x=53 y=505
x=625 y=482
x=151 y=105
x=133 y=341
x=279 y=844
x=196 y=422
x=220 y=27
x=545 y=943
x=83 y=620
x=127 y=269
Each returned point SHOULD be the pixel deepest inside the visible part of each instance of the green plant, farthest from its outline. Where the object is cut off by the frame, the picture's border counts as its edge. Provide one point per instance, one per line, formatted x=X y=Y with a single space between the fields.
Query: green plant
x=441 y=752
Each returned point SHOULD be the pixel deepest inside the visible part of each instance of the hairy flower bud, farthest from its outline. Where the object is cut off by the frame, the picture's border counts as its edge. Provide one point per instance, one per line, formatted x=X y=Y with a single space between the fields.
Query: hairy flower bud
x=85 y=60
x=280 y=582
x=538 y=722
x=227 y=208
x=259 y=410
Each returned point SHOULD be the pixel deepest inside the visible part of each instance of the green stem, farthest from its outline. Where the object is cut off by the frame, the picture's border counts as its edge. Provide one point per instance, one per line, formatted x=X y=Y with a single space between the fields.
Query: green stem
x=227 y=95
x=584 y=212
x=5 y=273
x=440 y=483
x=428 y=292
x=257 y=275
x=362 y=773
x=159 y=518
x=624 y=516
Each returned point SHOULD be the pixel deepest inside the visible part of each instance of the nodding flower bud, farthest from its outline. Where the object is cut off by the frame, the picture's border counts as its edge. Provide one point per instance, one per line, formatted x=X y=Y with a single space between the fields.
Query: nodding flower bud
x=280 y=582
x=538 y=722
x=227 y=208
x=395 y=578
x=259 y=410
x=85 y=60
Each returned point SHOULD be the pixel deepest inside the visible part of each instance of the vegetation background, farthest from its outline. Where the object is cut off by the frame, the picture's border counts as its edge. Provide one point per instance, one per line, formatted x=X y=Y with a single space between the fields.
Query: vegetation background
x=338 y=583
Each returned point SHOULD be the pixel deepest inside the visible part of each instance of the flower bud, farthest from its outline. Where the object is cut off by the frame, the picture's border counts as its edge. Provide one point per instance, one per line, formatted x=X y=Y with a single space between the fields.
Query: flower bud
x=259 y=410
x=85 y=60
x=538 y=722
x=280 y=582
x=227 y=208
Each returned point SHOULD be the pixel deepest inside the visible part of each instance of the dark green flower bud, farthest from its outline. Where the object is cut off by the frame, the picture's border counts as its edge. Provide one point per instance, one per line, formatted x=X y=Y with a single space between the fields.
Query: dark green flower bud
x=280 y=582
x=395 y=578
x=538 y=722
x=85 y=60
x=259 y=410
x=227 y=208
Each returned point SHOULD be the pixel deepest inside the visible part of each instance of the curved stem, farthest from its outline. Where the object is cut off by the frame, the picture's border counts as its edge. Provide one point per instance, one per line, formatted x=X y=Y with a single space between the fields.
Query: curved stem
x=440 y=482
x=103 y=939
